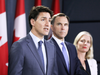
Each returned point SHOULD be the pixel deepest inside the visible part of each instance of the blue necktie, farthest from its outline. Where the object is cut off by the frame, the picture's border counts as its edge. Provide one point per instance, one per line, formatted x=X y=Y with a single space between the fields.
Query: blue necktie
x=65 y=55
x=40 y=52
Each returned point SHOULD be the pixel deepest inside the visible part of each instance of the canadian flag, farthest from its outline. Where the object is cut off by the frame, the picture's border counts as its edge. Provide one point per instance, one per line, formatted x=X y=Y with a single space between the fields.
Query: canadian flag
x=3 y=40
x=56 y=6
x=37 y=2
x=20 y=21
x=56 y=9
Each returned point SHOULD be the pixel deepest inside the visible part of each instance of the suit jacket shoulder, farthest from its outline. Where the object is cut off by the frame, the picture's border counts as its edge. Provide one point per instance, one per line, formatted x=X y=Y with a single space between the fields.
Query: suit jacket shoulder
x=24 y=58
x=93 y=66
x=70 y=45
x=74 y=67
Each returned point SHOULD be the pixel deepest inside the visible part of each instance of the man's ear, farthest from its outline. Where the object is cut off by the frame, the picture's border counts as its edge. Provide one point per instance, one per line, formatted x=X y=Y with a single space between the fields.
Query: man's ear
x=32 y=21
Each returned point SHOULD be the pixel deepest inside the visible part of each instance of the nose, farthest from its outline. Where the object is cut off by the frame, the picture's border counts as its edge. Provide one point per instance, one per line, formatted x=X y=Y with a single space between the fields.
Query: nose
x=85 y=42
x=48 y=23
x=62 y=26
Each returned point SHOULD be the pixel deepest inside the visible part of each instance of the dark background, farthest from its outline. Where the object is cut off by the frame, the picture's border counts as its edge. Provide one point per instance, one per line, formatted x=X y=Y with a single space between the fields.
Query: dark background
x=84 y=16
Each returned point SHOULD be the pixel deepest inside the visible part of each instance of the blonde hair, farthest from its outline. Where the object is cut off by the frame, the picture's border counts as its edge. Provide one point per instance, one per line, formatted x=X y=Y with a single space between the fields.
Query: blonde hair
x=89 y=54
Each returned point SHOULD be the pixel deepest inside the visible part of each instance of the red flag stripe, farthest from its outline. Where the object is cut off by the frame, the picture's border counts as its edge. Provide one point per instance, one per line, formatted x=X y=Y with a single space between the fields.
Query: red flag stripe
x=0 y=37
x=2 y=6
x=20 y=8
x=4 y=59
x=20 y=21
x=56 y=9
x=56 y=6
x=37 y=2
x=3 y=40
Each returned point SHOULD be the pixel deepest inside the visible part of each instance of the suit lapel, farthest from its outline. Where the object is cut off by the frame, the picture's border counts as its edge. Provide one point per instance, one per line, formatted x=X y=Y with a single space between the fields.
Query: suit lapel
x=34 y=51
x=48 y=55
x=59 y=53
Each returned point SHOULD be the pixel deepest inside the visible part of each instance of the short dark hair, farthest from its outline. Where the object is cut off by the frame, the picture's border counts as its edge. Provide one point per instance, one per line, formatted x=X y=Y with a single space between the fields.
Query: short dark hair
x=59 y=15
x=35 y=11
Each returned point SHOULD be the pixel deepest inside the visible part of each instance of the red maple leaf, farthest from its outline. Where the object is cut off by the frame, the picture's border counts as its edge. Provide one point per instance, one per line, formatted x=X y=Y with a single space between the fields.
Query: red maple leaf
x=0 y=37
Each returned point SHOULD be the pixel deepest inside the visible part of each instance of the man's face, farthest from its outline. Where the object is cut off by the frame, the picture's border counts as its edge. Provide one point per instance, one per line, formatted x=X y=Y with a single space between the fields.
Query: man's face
x=60 y=27
x=41 y=26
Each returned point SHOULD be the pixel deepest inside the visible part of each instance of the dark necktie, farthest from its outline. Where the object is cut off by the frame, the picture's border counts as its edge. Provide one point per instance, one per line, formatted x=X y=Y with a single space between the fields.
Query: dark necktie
x=40 y=52
x=65 y=55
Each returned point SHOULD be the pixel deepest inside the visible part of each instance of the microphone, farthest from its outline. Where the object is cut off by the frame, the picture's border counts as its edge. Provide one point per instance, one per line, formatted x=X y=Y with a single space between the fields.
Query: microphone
x=81 y=67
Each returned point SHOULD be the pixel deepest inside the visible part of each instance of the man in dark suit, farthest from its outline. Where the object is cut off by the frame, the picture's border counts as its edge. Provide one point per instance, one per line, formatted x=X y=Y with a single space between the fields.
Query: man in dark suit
x=67 y=61
x=26 y=56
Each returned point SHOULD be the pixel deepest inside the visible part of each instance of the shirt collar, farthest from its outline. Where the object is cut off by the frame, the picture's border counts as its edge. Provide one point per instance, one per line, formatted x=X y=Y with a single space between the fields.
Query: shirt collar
x=35 y=39
x=57 y=40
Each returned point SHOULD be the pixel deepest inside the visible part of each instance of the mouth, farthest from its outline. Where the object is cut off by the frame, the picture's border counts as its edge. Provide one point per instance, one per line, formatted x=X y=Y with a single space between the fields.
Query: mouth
x=46 y=29
x=84 y=47
x=63 y=31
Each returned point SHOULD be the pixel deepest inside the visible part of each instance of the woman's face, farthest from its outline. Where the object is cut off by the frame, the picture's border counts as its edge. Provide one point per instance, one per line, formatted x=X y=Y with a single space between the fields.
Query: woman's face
x=84 y=44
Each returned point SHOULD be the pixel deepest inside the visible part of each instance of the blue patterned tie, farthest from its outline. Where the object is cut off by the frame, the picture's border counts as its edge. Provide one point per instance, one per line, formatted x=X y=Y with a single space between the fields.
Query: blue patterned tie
x=65 y=55
x=40 y=52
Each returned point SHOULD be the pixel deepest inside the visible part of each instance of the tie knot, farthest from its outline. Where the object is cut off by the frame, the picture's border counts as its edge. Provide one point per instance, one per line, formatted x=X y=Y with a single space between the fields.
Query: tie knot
x=63 y=46
x=40 y=43
x=62 y=43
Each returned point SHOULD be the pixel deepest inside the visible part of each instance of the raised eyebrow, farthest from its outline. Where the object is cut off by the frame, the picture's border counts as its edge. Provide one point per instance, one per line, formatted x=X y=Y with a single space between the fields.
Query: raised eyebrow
x=59 y=22
x=46 y=17
x=43 y=17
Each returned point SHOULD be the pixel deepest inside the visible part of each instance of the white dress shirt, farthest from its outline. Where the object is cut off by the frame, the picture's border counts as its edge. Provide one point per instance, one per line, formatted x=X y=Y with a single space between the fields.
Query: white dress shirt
x=59 y=44
x=36 y=40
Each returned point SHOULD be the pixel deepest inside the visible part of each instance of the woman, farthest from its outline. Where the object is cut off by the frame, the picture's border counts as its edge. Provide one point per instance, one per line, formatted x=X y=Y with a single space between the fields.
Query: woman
x=84 y=46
